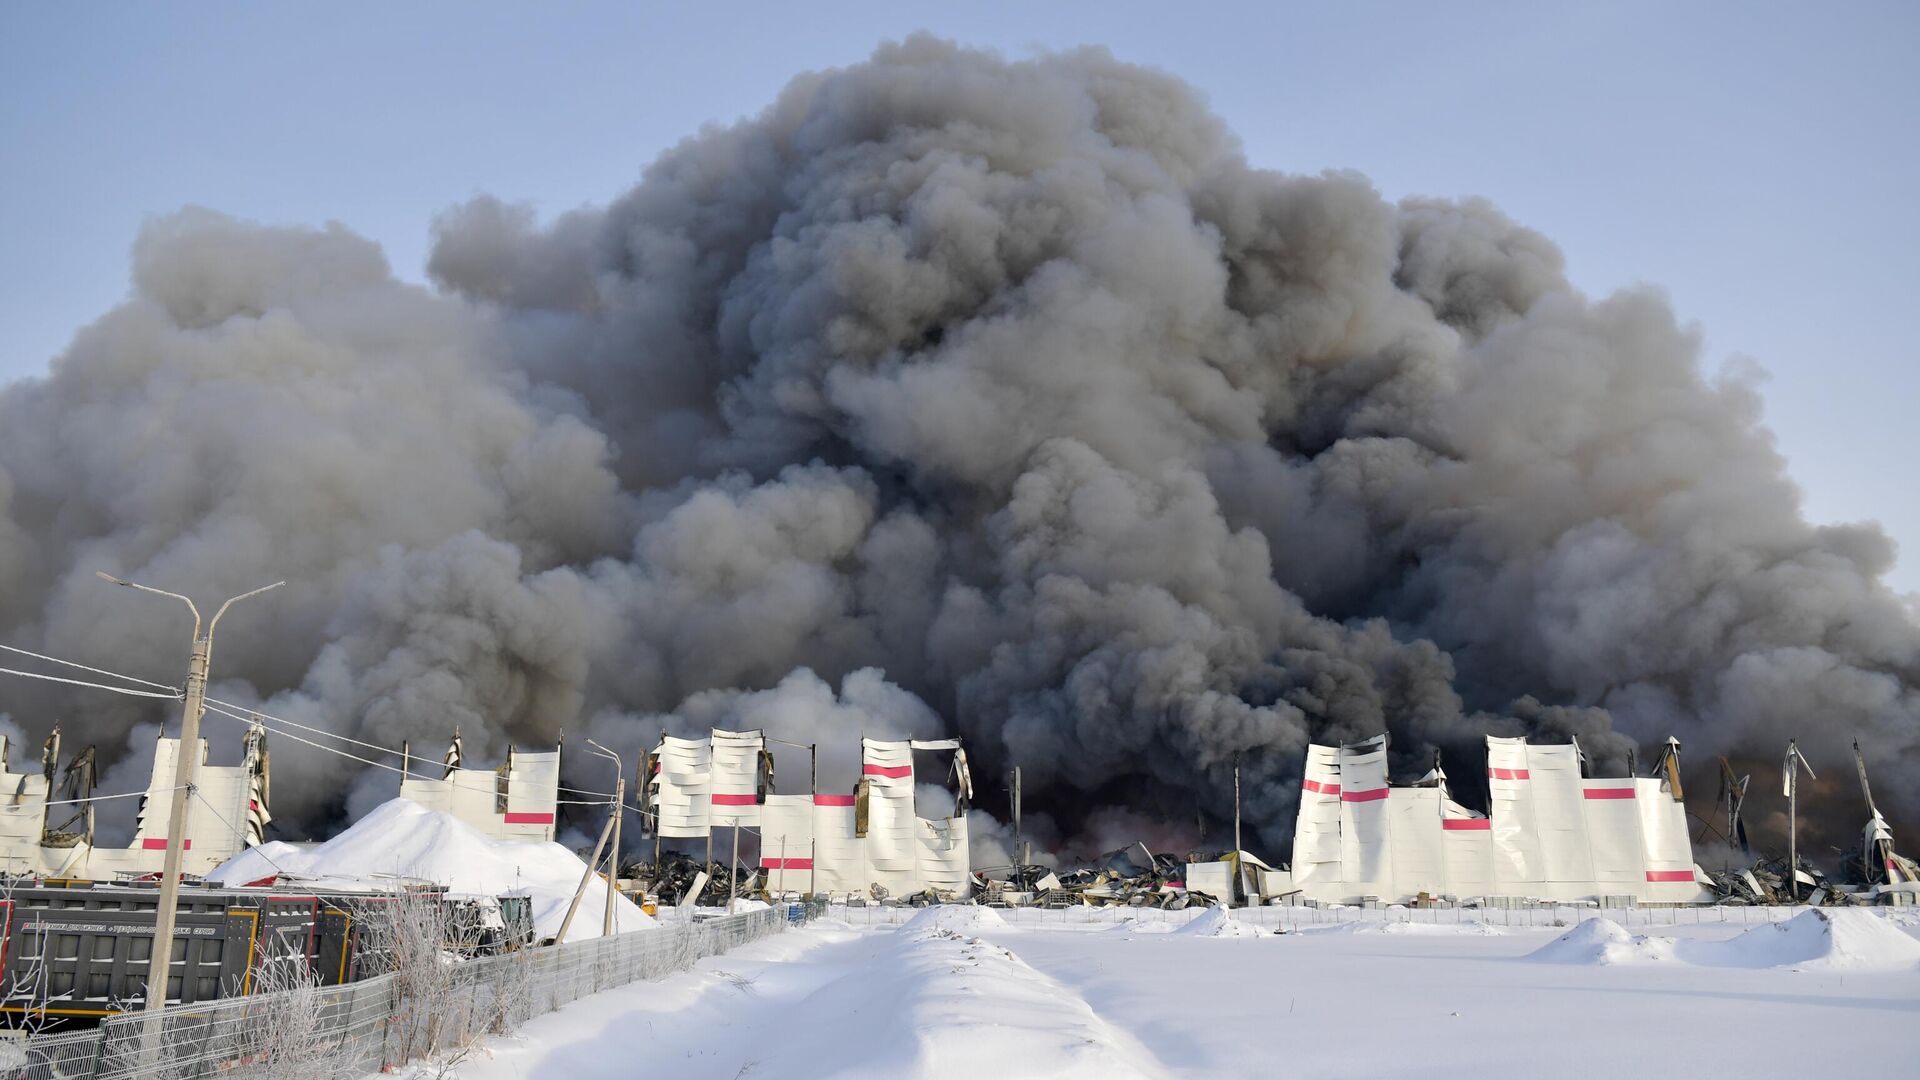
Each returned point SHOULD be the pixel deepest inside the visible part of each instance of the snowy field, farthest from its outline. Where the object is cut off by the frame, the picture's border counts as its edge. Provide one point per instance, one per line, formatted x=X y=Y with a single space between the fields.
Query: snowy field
x=961 y=992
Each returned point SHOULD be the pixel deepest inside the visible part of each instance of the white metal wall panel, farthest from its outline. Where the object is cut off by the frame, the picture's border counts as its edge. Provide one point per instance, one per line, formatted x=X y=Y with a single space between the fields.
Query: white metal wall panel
x=887 y=766
x=943 y=856
x=1560 y=813
x=786 y=843
x=1613 y=835
x=736 y=777
x=1466 y=840
x=1365 y=855
x=893 y=831
x=1516 y=846
x=533 y=796
x=1316 y=834
x=839 y=857
x=1413 y=829
x=1663 y=823
x=683 y=787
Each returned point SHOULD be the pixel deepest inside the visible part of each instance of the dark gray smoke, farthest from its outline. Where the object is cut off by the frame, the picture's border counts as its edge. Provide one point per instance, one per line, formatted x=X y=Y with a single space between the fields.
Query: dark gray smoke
x=1013 y=380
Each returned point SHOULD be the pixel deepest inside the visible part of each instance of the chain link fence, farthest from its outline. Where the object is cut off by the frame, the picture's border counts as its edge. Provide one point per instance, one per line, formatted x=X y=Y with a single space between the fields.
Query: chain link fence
x=340 y=1032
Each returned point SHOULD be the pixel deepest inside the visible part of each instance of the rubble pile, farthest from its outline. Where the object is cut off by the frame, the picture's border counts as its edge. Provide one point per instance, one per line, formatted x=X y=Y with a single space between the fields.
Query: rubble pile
x=1126 y=877
x=676 y=872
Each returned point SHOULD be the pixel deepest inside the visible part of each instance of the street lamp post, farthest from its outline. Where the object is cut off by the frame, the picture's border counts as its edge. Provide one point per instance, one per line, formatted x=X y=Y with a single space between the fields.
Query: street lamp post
x=619 y=806
x=160 y=962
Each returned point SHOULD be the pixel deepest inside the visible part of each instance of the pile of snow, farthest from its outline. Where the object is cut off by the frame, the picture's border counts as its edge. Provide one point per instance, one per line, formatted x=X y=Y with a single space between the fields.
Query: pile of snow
x=1817 y=938
x=954 y=919
x=1839 y=938
x=1602 y=941
x=1218 y=922
x=403 y=842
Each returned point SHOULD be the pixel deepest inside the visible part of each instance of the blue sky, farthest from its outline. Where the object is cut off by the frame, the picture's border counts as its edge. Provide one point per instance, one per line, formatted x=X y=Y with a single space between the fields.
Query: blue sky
x=1758 y=160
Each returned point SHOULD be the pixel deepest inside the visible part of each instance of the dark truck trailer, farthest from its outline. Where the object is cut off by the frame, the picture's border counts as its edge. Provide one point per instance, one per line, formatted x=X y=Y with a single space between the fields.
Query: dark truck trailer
x=80 y=951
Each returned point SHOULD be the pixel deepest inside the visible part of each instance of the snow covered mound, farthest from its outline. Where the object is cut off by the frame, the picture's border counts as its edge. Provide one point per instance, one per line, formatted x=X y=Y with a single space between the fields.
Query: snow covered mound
x=1217 y=922
x=402 y=841
x=1602 y=941
x=1817 y=938
x=954 y=919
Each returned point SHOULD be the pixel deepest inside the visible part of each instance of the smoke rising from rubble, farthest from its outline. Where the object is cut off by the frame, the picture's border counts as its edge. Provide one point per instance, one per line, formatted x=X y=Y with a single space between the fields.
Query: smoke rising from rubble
x=1014 y=381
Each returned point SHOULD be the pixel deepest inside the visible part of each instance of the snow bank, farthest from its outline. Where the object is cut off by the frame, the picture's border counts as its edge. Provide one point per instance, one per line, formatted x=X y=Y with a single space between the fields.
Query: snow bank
x=1602 y=941
x=1818 y=939
x=1837 y=938
x=1217 y=922
x=402 y=841
x=954 y=919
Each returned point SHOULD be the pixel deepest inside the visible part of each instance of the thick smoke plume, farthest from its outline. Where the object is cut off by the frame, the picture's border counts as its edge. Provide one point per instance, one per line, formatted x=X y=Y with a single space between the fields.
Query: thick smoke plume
x=1014 y=381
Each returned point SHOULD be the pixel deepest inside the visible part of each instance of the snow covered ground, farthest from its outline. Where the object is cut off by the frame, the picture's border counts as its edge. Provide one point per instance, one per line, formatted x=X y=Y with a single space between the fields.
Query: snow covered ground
x=958 y=992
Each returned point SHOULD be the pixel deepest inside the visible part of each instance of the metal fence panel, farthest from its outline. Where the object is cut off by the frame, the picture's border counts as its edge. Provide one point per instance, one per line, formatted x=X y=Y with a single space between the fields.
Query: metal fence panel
x=350 y=1030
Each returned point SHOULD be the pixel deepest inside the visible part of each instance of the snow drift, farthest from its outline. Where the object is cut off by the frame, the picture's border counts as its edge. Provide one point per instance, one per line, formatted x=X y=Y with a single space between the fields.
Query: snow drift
x=402 y=841
x=954 y=919
x=1218 y=922
x=1603 y=941
x=1818 y=938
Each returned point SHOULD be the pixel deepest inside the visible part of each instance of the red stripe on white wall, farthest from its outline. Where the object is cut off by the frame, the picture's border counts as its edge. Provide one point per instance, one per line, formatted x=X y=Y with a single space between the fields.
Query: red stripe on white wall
x=161 y=845
x=894 y=771
x=734 y=800
x=833 y=800
x=1324 y=789
x=1669 y=875
x=1609 y=793
x=529 y=819
x=1364 y=796
x=1466 y=824
x=1507 y=774
x=786 y=864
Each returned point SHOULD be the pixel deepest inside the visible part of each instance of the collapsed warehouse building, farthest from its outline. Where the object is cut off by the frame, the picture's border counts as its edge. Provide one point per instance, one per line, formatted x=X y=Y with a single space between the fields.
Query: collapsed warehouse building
x=870 y=842
x=46 y=826
x=1551 y=832
x=516 y=801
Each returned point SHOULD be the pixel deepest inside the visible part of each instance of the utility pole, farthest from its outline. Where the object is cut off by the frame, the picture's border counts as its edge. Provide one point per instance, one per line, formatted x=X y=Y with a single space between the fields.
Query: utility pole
x=160 y=961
